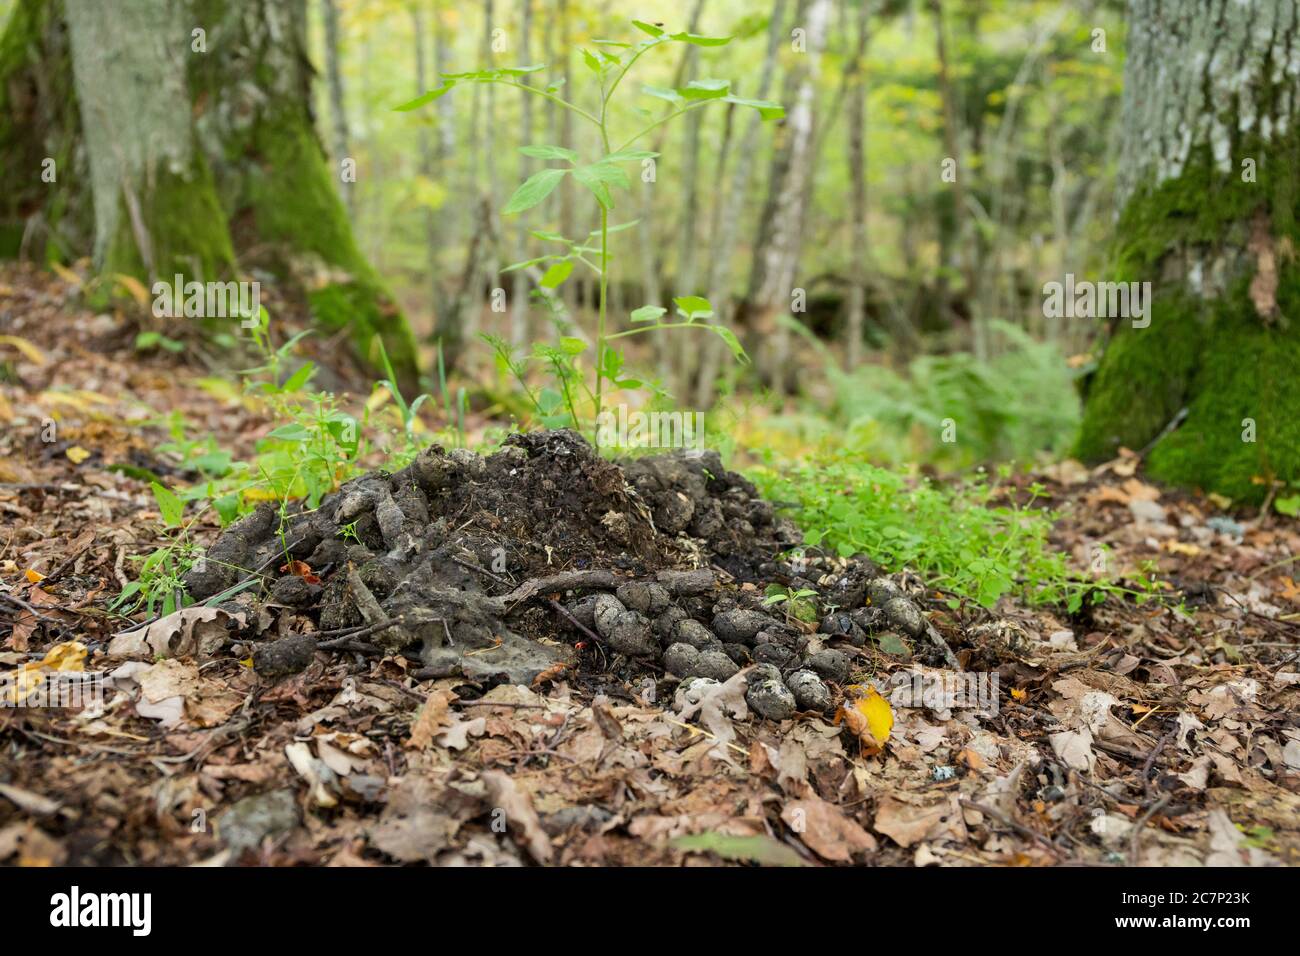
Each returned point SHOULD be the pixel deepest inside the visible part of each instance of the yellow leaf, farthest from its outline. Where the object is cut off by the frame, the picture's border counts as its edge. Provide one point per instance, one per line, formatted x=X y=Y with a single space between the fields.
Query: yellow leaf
x=22 y=345
x=1019 y=693
x=870 y=718
x=19 y=684
x=33 y=576
x=134 y=287
x=378 y=398
x=66 y=274
x=76 y=454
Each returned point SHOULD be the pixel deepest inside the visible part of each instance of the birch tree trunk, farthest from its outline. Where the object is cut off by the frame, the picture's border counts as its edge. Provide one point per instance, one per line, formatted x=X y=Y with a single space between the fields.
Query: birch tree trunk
x=1210 y=175
x=724 y=242
x=334 y=76
x=858 y=186
x=519 y=281
x=782 y=254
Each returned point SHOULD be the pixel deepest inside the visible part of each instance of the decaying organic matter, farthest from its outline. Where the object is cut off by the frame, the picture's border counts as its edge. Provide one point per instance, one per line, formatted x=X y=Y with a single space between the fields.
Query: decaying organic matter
x=501 y=568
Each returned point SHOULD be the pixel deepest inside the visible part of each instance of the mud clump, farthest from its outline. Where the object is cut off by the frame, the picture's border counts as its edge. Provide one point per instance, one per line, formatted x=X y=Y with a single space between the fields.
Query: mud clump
x=501 y=567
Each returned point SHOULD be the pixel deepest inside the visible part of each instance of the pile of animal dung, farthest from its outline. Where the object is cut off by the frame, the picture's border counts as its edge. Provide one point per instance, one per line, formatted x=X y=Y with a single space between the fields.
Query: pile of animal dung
x=544 y=557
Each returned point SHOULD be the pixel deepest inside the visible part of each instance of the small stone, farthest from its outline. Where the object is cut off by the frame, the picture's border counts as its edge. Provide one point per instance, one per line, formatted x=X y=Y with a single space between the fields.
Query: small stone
x=739 y=653
x=665 y=625
x=762 y=672
x=251 y=819
x=870 y=619
x=292 y=591
x=943 y=773
x=831 y=665
x=717 y=665
x=881 y=591
x=905 y=616
x=631 y=635
x=605 y=614
x=682 y=660
x=644 y=596
x=741 y=625
x=810 y=693
x=287 y=655
x=771 y=699
x=841 y=624
x=837 y=624
x=584 y=610
x=773 y=654
x=695 y=634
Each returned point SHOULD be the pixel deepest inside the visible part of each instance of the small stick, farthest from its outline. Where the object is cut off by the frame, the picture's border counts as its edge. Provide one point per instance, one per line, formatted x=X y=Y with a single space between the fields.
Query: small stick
x=1134 y=840
x=555 y=605
x=1151 y=760
x=1006 y=821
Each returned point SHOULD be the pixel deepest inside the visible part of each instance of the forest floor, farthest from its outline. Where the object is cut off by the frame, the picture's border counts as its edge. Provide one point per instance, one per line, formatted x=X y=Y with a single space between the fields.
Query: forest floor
x=1157 y=734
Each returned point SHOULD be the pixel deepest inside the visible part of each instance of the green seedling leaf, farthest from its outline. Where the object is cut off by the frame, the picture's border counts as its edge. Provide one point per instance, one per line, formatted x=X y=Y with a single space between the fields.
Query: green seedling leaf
x=648 y=313
x=572 y=346
x=534 y=189
x=733 y=343
x=550 y=152
x=623 y=155
x=429 y=97
x=291 y=432
x=556 y=274
x=766 y=108
x=705 y=89
x=649 y=28
x=694 y=307
x=169 y=505
x=672 y=96
x=299 y=378
x=698 y=40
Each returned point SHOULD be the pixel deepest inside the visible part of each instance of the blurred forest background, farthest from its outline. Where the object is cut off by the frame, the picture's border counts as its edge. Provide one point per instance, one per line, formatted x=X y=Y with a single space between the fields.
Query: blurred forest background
x=858 y=205
x=923 y=296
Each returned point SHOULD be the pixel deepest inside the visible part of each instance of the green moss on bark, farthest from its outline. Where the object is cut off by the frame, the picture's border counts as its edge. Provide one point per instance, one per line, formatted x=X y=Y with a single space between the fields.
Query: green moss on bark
x=38 y=121
x=1211 y=353
x=185 y=225
x=295 y=204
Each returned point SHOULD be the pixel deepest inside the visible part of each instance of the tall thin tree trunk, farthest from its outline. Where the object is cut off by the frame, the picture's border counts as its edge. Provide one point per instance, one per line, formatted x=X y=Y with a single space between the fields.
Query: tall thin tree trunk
x=858 y=184
x=782 y=253
x=338 y=110
x=519 y=290
x=724 y=241
x=652 y=246
x=959 y=246
x=427 y=161
x=568 y=291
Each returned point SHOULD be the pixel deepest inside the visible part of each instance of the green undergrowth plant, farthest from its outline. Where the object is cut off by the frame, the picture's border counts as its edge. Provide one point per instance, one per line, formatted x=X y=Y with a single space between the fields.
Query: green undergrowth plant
x=953 y=410
x=313 y=447
x=955 y=537
x=573 y=399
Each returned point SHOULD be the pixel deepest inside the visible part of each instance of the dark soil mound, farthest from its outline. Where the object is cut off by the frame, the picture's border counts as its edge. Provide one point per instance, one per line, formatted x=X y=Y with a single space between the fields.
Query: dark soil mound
x=499 y=568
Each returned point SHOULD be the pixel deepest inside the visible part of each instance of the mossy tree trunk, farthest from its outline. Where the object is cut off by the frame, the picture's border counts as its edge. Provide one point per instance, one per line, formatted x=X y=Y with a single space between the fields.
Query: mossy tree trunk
x=189 y=133
x=40 y=132
x=1209 y=171
x=279 y=190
